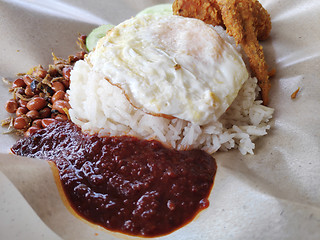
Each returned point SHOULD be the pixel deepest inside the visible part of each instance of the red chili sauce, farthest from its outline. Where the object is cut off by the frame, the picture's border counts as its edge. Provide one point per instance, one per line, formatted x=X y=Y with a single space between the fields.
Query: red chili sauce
x=125 y=184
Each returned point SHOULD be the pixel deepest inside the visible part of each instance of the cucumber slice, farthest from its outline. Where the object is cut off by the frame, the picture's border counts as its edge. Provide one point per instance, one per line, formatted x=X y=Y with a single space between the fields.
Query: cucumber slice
x=161 y=9
x=96 y=34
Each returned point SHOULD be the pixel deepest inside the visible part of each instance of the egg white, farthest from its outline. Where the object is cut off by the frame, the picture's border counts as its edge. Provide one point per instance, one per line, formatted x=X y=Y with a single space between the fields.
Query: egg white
x=171 y=66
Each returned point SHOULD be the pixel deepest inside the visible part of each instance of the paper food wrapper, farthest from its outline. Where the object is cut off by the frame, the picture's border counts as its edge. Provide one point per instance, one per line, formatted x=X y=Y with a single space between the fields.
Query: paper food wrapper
x=273 y=194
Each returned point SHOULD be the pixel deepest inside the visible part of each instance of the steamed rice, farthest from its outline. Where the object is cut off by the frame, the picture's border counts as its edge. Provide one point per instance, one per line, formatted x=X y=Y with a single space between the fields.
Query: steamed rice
x=99 y=107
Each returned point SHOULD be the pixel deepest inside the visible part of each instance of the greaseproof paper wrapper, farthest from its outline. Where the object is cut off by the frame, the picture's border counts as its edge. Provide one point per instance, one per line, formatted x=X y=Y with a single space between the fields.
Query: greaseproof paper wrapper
x=273 y=194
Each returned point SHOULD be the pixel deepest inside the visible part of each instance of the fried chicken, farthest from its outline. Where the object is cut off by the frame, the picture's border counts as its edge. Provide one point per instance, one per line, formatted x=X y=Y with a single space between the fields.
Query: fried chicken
x=205 y=10
x=246 y=20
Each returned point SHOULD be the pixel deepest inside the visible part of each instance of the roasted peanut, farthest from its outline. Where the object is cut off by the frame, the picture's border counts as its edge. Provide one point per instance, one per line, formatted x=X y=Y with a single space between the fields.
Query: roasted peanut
x=22 y=103
x=18 y=83
x=60 y=105
x=56 y=86
x=48 y=121
x=11 y=106
x=36 y=103
x=31 y=130
x=66 y=72
x=27 y=80
x=21 y=111
x=29 y=91
x=61 y=117
x=33 y=114
x=59 y=95
x=37 y=123
x=45 y=112
x=39 y=72
x=21 y=122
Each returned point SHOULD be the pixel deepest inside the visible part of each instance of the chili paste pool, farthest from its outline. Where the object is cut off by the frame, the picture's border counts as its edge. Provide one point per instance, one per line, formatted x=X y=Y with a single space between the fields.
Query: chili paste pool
x=125 y=184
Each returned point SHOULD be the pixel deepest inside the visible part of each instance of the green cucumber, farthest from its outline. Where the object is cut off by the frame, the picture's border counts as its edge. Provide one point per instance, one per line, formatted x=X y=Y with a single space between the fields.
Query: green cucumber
x=161 y=9
x=96 y=34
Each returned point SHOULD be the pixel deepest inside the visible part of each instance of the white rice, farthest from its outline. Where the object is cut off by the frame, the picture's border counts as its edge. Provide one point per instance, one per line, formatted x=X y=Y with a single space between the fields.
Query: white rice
x=99 y=107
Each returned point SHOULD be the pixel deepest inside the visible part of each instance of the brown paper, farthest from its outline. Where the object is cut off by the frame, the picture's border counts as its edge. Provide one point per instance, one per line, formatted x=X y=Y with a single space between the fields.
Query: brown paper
x=273 y=194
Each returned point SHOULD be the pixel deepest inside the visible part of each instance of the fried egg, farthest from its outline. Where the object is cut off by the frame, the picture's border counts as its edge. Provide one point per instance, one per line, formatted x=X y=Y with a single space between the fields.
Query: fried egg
x=171 y=66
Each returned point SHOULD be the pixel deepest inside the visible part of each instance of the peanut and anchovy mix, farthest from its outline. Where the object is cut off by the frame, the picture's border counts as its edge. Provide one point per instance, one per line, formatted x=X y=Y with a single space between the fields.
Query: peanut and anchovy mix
x=39 y=96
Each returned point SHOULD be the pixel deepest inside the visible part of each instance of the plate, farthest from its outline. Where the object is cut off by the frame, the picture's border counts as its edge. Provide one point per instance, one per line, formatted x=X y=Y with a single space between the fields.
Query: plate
x=273 y=194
